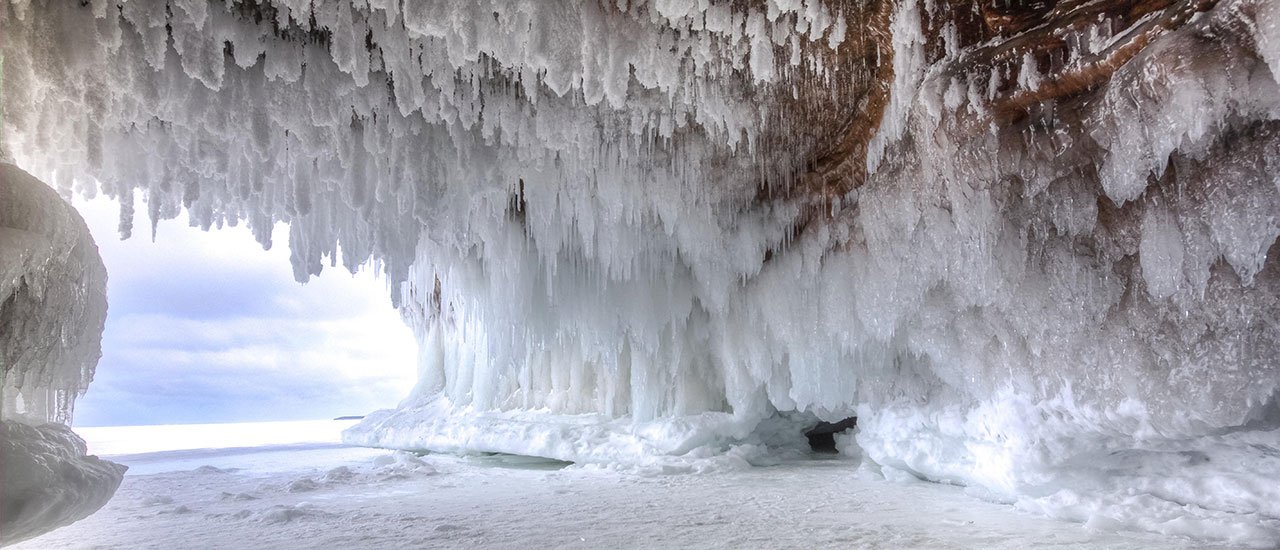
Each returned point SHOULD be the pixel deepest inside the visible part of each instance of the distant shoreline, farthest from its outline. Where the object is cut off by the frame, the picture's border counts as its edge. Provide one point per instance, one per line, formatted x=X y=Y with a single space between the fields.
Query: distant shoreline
x=114 y=426
x=137 y=440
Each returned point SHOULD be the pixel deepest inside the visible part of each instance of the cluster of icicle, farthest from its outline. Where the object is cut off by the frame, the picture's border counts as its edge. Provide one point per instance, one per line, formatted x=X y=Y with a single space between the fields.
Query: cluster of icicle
x=1076 y=315
x=377 y=127
x=53 y=302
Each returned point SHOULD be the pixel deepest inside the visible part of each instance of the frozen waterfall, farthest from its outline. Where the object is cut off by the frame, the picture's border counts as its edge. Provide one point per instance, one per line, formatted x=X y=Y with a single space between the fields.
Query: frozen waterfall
x=1033 y=252
x=53 y=303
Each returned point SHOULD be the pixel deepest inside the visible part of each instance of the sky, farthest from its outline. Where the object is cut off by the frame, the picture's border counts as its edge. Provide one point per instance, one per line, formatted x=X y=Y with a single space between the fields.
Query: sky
x=207 y=327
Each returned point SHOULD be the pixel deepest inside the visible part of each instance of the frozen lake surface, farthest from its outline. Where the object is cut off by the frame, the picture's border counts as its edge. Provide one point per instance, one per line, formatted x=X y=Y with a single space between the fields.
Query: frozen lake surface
x=309 y=491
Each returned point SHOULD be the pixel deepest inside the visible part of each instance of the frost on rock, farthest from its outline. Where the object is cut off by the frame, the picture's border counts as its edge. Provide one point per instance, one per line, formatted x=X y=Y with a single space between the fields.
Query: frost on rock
x=1032 y=252
x=52 y=307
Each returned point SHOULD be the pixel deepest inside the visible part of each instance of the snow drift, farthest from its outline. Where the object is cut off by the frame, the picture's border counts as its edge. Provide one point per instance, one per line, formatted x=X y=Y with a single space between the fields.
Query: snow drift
x=1048 y=274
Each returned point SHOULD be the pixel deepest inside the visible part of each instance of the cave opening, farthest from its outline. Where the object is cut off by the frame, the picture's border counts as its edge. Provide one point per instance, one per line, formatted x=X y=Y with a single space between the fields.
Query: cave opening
x=822 y=437
x=1031 y=235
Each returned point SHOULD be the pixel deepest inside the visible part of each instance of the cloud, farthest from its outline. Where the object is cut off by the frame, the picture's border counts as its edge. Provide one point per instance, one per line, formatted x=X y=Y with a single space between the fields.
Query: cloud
x=208 y=327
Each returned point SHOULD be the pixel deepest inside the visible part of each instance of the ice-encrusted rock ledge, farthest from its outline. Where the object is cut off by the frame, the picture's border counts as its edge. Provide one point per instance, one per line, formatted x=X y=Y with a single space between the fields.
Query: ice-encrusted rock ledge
x=53 y=306
x=47 y=481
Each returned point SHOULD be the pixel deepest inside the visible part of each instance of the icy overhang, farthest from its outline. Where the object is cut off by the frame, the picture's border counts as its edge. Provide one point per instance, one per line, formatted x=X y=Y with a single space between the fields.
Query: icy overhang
x=1015 y=241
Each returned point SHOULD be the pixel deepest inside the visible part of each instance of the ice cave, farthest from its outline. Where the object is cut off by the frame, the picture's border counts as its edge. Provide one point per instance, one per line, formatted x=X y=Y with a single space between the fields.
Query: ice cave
x=1029 y=245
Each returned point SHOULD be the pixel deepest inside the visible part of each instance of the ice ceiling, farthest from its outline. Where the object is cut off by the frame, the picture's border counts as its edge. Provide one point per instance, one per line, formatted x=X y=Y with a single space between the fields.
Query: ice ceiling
x=1030 y=245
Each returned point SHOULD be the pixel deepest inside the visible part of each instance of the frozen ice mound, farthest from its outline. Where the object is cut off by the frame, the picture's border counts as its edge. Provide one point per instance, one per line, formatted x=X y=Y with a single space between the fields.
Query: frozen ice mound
x=708 y=441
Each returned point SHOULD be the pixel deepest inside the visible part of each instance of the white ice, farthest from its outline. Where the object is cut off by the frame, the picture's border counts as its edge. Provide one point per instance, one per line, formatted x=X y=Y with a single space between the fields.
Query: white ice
x=48 y=480
x=276 y=496
x=52 y=308
x=1082 y=319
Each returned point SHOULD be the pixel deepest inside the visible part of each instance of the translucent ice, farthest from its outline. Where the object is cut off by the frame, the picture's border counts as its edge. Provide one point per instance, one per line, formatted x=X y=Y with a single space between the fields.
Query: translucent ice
x=53 y=301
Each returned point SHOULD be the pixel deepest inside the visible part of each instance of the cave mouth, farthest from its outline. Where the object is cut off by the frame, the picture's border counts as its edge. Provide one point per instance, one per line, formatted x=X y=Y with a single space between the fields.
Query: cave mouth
x=822 y=437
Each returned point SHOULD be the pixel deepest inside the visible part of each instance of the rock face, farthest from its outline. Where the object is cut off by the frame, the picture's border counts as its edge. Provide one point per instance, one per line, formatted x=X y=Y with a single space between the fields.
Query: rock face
x=52 y=309
x=822 y=437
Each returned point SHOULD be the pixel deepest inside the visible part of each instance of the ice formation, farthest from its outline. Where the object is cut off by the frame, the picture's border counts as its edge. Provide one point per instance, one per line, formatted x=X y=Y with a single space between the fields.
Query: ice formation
x=53 y=301
x=1032 y=247
x=53 y=304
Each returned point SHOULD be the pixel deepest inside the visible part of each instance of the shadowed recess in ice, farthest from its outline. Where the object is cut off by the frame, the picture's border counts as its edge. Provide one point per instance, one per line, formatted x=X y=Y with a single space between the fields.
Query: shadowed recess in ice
x=1037 y=259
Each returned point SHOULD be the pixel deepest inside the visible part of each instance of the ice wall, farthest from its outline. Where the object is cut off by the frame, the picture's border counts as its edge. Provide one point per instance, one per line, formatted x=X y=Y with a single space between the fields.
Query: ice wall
x=53 y=301
x=1076 y=310
x=48 y=481
x=53 y=304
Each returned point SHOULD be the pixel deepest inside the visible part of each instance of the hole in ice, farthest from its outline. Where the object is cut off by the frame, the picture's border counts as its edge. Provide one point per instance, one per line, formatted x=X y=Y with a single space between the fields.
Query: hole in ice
x=822 y=438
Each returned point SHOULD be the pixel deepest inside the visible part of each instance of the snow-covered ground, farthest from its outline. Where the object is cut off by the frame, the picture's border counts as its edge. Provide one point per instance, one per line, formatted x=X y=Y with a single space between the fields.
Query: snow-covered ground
x=308 y=491
x=596 y=219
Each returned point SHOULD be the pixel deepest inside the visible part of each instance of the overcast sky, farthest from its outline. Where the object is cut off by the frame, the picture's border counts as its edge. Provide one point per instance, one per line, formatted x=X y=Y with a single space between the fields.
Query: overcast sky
x=208 y=327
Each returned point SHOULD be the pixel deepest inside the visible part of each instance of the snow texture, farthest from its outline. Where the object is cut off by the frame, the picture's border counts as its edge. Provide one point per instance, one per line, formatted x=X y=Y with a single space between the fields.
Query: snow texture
x=1078 y=312
x=367 y=498
x=46 y=481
